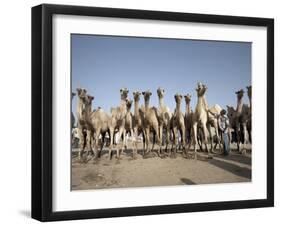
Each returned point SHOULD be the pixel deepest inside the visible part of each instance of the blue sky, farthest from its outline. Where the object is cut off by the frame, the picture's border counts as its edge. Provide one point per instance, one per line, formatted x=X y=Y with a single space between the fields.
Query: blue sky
x=104 y=64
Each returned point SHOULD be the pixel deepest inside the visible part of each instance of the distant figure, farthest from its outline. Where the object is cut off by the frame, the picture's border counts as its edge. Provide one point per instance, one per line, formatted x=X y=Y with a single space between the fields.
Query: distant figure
x=223 y=126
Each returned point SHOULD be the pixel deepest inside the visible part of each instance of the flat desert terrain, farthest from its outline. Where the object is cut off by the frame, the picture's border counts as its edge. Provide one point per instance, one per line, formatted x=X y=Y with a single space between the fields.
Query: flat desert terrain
x=155 y=171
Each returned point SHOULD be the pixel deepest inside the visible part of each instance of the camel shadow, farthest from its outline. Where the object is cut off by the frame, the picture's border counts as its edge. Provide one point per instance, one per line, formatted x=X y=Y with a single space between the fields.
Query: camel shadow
x=232 y=168
x=187 y=181
x=237 y=158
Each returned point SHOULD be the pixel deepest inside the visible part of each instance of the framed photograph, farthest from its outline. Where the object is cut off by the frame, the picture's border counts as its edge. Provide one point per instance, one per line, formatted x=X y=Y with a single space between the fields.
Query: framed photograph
x=145 y=112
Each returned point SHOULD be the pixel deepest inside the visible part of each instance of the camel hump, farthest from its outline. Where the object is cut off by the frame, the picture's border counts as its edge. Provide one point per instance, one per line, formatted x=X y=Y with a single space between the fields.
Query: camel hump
x=216 y=109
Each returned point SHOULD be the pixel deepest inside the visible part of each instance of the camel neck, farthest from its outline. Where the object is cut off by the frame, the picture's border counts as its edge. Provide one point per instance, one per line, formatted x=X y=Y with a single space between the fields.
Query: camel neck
x=239 y=105
x=80 y=107
x=136 y=108
x=146 y=104
x=161 y=101
x=178 y=106
x=201 y=104
x=187 y=110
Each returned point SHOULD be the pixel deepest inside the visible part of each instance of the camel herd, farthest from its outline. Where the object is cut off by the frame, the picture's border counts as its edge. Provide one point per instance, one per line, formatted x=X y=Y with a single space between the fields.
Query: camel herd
x=171 y=130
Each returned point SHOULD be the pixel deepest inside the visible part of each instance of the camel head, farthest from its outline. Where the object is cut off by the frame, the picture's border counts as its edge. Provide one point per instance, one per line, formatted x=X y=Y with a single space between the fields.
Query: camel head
x=146 y=95
x=136 y=95
x=230 y=112
x=81 y=93
x=160 y=92
x=124 y=93
x=201 y=89
x=73 y=95
x=240 y=93
x=129 y=104
x=187 y=98
x=89 y=99
x=178 y=98
x=249 y=91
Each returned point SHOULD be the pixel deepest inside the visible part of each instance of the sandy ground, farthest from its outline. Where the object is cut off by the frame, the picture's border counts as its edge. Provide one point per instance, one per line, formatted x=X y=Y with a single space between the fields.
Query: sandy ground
x=155 y=171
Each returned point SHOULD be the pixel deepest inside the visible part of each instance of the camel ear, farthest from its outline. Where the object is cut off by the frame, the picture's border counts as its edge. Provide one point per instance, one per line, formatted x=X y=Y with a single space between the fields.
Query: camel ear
x=143 y=93
x=91 y=97
x=73 y=94
x=134 y=93
x=180 y=96
x=150 y=93
x=78 y=90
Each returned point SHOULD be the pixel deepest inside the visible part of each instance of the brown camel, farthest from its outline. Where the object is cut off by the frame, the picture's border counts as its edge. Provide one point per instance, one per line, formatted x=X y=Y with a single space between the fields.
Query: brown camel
x=249 y=122
x=150 y=121
x=238 y=119
x=164 y=118
x=200 y=118
x=188 y=117
x=178 y=124
x=97 y=122
x=117 y=122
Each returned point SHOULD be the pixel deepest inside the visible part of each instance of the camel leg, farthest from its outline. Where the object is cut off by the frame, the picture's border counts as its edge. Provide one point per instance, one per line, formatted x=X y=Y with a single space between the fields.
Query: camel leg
x=158 y=140
x=88 y=141
x=147 y=140
x=96 y=148
x=122 y=131
x=175 y=142
x=205 y=131
x=183 y=140
x=246 y=138
x=111 y=131
x=194 y=129
x=167 y=139
x=211 y=136
x=81 y=143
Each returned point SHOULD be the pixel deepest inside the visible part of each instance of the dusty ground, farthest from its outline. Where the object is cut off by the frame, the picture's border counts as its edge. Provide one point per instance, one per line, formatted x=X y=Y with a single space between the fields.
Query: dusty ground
x=154 y=171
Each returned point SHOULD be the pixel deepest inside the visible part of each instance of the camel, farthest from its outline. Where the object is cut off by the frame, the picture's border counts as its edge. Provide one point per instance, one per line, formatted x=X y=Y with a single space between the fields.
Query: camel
x=188 y=117
x=200 y=118
x=164 y=118
x=178 y=124
x=150 y=121
x=117 y=121
x=129 y=121
x=97 y=123
x=249 y=122
x=213 y=114
x=137 y=122
x=72 y=115
x=81 y=121
x=238 y=120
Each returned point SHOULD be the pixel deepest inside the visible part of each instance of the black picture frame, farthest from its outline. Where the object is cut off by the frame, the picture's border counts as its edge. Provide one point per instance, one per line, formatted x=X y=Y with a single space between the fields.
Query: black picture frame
x=42 y=111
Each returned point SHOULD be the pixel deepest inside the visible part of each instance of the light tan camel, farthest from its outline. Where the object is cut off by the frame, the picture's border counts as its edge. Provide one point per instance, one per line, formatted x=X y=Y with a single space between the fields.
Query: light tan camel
x=117 y=122
x=97 y=122
x=81 y=120
x=200 y=118
x=178 y=125
x=150 y=121
x=137 y=122
x=129 y=121
x=164 y=118
x=72 y=115
x=213 y=114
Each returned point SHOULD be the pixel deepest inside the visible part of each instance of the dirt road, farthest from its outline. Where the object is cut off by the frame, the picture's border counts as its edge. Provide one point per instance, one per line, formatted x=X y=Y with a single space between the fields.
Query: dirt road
x=155 y=171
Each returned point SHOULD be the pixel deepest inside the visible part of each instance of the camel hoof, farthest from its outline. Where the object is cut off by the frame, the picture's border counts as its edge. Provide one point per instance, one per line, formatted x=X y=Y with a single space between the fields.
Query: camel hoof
x=209 y=157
